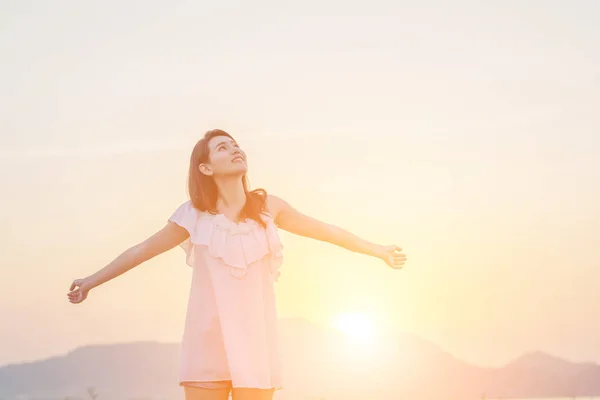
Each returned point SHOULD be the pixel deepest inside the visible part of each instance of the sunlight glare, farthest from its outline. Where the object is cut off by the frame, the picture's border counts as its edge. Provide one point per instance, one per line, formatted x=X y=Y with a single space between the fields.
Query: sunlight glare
x=358 y=327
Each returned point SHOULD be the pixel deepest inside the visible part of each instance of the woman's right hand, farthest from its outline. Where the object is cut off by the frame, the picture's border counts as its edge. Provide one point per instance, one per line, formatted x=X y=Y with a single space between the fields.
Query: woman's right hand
x=79 y=290
x=168 y=237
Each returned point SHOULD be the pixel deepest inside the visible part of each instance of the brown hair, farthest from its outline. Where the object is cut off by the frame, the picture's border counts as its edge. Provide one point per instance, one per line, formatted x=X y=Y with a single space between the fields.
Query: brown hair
x=203 y=191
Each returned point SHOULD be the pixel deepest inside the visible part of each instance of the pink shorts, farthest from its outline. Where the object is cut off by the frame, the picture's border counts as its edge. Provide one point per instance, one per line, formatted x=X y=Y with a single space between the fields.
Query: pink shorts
x=209 y=384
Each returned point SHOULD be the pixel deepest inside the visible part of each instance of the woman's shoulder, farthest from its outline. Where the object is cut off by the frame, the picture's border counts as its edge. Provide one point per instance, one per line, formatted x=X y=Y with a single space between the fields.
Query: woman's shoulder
x=274 y=204
x=188 y=213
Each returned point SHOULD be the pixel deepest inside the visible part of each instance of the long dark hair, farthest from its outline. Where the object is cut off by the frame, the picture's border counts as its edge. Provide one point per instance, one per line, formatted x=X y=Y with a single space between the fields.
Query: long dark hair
x=203 y=191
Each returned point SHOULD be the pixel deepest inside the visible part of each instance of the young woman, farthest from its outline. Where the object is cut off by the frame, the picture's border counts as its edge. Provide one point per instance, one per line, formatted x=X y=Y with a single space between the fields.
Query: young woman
x=229 y=234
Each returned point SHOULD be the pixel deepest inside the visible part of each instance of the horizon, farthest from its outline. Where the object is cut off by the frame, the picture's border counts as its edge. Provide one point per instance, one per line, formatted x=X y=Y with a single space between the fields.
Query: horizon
x=465 y=133
x=412 y=359
x=341 y=333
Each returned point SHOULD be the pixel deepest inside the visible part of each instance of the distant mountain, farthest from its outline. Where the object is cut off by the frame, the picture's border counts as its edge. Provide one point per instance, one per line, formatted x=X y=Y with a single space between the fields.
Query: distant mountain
x=117 y=371
x=320 y=364
x=537 y=373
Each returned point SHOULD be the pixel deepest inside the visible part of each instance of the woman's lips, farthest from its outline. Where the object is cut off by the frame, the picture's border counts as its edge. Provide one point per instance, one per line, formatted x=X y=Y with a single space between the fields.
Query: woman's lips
x=237 y=158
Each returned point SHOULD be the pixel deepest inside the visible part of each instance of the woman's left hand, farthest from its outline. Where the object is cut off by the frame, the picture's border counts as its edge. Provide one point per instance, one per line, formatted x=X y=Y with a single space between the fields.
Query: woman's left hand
x=392 y=255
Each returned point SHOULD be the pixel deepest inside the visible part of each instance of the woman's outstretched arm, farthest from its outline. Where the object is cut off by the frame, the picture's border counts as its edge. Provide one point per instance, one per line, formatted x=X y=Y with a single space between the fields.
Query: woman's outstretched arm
x=291 y=220
x=165 y=239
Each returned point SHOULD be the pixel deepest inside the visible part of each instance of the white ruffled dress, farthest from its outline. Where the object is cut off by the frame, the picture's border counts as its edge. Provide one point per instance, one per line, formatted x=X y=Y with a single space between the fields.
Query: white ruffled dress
x=231 y=323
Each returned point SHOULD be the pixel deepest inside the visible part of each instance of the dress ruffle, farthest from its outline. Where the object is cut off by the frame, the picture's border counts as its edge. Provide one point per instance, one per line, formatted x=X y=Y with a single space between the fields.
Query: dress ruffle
x=236 y=245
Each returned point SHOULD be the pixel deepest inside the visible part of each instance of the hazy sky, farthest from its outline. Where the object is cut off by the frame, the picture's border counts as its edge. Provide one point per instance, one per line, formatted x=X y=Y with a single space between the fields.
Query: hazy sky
x=466 y=133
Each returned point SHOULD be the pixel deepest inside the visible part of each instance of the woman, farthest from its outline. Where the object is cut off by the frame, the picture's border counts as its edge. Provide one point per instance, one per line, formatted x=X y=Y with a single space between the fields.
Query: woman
x=229 y=234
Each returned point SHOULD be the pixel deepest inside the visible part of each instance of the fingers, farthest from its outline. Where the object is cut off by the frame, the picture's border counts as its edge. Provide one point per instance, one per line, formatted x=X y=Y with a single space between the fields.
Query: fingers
x=76 y=294
x=396 y=258
x=76 y=282
x=76 y=298
x=74 y=287
x=73 y=296
x=397 y=261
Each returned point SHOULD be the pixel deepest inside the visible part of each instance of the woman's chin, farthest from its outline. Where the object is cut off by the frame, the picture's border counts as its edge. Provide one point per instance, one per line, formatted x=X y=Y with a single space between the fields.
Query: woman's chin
x=239 y=171
x=242 y=170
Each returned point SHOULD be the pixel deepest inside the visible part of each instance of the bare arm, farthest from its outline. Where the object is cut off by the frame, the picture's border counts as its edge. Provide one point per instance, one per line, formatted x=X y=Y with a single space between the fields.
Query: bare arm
x=293 y=221
x=165 y=239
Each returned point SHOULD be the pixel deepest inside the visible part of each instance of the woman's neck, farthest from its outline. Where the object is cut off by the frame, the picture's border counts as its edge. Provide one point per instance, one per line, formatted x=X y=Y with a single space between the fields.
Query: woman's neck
x=232 y=197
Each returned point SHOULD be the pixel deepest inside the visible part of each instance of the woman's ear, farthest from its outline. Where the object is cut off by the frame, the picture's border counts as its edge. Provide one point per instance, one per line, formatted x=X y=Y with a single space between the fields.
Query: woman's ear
x=205 y=169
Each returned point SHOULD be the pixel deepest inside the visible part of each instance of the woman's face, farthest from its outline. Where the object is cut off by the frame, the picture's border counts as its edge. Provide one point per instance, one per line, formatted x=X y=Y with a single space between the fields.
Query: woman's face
x=225 y=158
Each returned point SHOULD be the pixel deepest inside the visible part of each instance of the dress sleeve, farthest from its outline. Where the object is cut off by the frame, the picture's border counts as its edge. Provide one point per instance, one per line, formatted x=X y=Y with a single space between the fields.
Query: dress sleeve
x=186 y=216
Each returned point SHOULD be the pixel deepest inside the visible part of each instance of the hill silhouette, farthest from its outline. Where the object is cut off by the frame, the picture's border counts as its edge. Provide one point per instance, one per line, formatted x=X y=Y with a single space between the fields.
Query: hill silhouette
x=319 y=364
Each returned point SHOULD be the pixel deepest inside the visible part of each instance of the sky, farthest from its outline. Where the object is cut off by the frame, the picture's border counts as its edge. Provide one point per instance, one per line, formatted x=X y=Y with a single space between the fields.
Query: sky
x=467 y=133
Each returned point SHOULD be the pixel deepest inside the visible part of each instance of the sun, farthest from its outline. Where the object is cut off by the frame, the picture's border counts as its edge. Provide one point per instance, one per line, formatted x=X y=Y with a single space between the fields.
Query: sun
x=364 y=339
x=358 y=327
